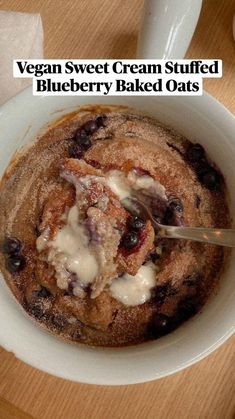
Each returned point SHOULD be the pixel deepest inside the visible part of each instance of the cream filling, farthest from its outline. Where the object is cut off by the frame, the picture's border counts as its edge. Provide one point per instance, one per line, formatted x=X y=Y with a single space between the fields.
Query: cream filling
x=69 y=251
x=135 y=290
x=118 y=184
x=123 y=186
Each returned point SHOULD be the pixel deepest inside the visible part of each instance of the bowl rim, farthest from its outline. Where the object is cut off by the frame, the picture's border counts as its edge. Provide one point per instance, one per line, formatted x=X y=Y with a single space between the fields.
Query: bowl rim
x=214 y=107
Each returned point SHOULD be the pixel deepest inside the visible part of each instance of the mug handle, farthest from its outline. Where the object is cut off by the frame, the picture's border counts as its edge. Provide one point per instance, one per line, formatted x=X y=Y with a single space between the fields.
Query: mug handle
x=167 y=28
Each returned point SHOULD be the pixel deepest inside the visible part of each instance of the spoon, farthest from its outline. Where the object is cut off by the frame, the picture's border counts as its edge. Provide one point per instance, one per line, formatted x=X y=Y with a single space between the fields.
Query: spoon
x=222 y=237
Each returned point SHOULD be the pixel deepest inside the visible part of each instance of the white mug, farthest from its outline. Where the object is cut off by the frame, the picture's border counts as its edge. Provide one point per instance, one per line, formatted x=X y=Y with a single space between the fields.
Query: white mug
x=167 y=28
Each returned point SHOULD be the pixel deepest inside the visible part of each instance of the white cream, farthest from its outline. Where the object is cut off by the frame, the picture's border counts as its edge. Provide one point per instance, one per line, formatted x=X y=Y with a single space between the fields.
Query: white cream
x=69 y=252
x=123 y=186
x=135 y=290
x=146 y=182
x=118 y=183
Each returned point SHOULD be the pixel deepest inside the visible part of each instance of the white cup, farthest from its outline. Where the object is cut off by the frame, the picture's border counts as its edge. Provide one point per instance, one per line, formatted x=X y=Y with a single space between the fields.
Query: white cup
x=167 y=28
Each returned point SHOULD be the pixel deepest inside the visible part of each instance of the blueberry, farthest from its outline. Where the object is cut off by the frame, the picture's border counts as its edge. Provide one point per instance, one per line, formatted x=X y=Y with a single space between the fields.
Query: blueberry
x=135 y=223
x=42 y=292
x=90 y=126
x=161 y=321
x=37 y=312
x=169 y=217
x=161 y=292
x=80 y=135
x=173 y=217
x=176 y=205
x=11 y=246
x=15 y=263
x=130 y=240
x=160 y=325
x=210 y=179
x=195 y=153
x=83 y=140
x=187 y=308
x=201 y=168
x=75 y=151
x=100 y=120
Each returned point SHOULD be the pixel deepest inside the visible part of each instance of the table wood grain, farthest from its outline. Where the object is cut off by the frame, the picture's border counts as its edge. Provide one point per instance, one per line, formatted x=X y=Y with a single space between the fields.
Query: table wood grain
x=109 y=29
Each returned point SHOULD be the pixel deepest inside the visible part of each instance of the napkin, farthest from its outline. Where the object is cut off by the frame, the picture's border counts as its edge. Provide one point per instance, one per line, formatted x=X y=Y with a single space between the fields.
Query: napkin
x=21 y=36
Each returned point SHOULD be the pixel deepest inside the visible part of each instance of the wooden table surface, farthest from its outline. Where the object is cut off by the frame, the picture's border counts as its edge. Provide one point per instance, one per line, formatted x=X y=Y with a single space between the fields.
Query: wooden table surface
x=108 y=29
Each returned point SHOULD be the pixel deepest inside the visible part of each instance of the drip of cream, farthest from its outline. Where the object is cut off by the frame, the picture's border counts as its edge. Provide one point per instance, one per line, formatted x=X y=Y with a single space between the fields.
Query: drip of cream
x=135 y=290
x=69 y=252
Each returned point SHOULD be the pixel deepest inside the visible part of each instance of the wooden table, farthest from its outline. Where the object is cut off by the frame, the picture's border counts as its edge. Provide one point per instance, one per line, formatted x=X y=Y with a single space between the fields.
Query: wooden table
x=108 y=29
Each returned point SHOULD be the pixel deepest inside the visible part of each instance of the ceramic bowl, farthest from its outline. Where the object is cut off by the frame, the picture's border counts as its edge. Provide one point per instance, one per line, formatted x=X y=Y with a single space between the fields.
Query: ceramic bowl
x=201 y=119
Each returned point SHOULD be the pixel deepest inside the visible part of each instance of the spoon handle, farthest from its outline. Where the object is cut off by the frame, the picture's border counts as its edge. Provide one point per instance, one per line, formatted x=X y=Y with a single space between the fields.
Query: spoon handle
x=222 y=237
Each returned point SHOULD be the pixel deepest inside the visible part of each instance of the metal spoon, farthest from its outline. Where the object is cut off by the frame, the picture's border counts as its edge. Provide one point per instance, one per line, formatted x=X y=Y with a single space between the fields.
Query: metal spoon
x=222 y=237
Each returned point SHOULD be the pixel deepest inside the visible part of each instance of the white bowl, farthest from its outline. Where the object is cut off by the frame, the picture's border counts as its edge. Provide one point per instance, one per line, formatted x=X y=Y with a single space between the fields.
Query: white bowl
x=202 y=119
